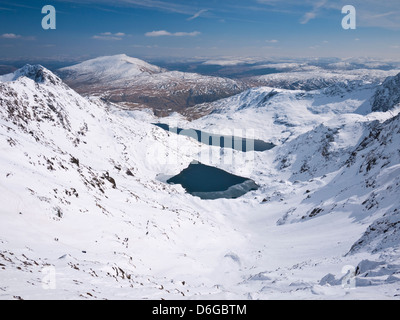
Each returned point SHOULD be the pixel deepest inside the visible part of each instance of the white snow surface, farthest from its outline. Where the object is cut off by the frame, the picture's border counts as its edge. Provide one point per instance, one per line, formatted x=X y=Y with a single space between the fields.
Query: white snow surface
x=82 y=195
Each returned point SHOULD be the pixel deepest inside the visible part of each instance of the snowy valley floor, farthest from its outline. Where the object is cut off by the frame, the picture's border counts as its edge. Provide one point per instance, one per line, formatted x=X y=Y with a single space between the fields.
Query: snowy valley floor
x=232 y=250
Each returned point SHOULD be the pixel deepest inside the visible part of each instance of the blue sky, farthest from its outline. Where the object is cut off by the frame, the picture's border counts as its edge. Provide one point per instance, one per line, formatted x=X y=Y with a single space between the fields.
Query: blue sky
x=207 y=28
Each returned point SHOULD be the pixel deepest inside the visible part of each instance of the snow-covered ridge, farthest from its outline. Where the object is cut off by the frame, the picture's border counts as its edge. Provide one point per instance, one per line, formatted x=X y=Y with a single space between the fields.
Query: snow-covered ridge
x=319 y=78
x=36 y=73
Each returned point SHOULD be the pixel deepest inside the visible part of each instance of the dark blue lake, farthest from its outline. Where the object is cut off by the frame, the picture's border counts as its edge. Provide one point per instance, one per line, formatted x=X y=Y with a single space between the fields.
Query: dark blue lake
x=223 y=141
x=210 y=183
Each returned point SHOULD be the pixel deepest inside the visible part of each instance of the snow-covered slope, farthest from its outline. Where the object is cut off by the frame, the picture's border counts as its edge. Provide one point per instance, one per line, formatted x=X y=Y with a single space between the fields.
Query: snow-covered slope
x=388 y=95
x=135 y=84
x=332 y=164
x=79 y=192
x=84 y=203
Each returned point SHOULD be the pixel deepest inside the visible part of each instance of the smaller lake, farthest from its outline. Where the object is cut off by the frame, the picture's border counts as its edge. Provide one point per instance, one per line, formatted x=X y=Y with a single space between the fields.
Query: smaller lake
x=210 y=183
x=223 y=141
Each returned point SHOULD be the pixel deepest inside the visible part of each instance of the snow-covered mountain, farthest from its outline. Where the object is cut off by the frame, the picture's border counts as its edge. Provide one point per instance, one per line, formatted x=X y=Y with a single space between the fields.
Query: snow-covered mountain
x=108 y=69
x=314 y=78
x=388 y=95
x=135 y=84
x=86 y=212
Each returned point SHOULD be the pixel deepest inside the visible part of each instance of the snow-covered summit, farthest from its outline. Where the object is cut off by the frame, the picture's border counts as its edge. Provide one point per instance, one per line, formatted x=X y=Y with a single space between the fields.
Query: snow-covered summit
x=109 y=68
x=36 y=73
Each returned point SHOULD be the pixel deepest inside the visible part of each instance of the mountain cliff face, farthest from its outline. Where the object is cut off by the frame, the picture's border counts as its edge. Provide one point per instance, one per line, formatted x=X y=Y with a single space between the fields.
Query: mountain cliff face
x=357 y=168
x=388 y=95
x=135 y=84
x=358 y=163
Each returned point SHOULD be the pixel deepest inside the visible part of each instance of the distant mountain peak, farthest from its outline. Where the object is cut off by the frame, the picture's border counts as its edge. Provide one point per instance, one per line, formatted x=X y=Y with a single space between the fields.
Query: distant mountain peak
x=109 y=68
x=134 y=83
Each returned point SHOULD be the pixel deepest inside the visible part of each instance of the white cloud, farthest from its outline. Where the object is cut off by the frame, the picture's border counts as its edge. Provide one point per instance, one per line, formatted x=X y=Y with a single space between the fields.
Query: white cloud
x=307 y=17
x=164 y=33
x=186 y=34
x=13 y=36
x=108 y=36
x=197 y=14
x=10 y=36
x=272 y=41
x=159 y=33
